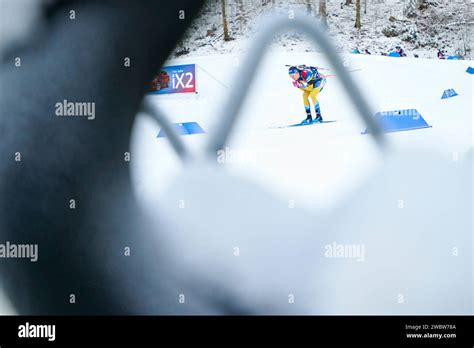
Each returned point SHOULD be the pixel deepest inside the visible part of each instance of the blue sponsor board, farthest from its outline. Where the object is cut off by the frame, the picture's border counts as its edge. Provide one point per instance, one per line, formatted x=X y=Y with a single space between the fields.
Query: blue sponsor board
x=449 y=93
x=185 y=128
x=394 y=54
x=399 y=120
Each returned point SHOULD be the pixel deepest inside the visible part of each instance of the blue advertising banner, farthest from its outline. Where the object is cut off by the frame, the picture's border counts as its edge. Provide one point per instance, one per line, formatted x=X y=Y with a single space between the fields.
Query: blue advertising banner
x=400 y=120
x=185 y=128
x=175 y=79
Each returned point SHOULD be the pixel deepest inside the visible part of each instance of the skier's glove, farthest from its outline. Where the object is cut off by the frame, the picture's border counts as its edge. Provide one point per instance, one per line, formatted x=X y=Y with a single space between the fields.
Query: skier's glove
x=298 y=84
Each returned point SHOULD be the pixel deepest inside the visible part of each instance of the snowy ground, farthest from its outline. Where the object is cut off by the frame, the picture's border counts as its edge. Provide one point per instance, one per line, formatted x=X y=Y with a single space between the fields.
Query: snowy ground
x=320 y=171
x=317 y=169
x=282 y=154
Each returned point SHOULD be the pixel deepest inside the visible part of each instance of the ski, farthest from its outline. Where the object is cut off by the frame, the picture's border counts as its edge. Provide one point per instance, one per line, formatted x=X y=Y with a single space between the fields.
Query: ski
x=302 y=124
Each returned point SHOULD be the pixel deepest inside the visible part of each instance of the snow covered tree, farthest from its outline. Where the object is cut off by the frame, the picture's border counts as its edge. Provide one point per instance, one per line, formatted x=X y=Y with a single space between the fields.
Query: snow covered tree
x=410 y=8
x=240 y=6
x=414 y=5
x=358 y=24
x=224 y=22
x=322 y=12
x=348 y=2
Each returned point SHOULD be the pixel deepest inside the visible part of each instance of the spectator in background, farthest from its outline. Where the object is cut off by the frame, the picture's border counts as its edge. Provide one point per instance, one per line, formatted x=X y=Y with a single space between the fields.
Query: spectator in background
x=400 y=51
x=441 y=54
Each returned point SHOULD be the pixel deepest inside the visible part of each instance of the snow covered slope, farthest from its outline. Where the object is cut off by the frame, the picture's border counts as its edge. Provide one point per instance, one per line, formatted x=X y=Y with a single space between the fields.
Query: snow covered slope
x=315 y=165
x=297 y=201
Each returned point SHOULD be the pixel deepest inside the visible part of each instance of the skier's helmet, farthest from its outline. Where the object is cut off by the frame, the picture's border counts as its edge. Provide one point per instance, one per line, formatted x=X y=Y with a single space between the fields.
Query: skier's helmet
x=292 y=70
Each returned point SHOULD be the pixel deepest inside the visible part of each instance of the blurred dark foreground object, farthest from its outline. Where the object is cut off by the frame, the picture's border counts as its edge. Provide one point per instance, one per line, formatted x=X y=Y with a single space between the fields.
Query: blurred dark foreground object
x=82 y=265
